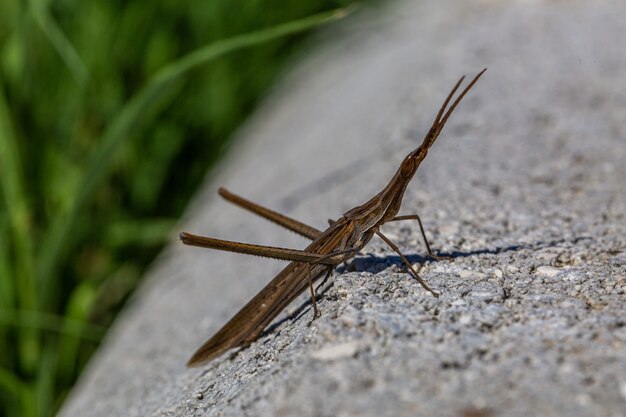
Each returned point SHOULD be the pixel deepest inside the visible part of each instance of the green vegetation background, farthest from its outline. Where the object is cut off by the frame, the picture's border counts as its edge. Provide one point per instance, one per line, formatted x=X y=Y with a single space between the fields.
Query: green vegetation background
x=111 y=114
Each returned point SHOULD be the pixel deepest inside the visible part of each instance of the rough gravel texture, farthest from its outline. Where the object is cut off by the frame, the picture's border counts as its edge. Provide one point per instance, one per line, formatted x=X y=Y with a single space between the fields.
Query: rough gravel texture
x=525 y=190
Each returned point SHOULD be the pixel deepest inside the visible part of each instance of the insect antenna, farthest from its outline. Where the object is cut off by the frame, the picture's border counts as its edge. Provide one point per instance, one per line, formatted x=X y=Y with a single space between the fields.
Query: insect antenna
x=458 y=99
x=445 y=103
x=439 y=122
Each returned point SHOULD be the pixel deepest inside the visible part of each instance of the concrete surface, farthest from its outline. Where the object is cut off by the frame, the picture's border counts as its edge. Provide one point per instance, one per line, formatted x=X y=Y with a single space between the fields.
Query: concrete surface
x=525 y=189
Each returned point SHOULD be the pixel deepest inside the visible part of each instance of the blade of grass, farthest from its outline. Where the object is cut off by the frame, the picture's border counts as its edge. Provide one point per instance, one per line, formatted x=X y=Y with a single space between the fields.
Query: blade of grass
x=140 y=232
x=12 y=185
x=53 y=323
x=46 y=380
x=7 y=286
x=134 y=113
x=10 y=384
x=17 y=391
x=79 y=306
x=7 y=292
x=47 y=24
x=20 y=392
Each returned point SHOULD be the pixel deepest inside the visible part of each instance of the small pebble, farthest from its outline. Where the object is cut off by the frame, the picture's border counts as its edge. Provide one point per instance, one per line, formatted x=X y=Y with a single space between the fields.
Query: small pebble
x=467 y=273
x=465 y=319
x=547 y=271
x=622 y=389
x=330 y=353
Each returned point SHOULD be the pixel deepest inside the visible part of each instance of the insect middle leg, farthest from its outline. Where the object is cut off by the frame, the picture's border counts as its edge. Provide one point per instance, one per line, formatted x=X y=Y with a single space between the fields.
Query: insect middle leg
x=313 y=300
x=328 y=274
x=407 y=263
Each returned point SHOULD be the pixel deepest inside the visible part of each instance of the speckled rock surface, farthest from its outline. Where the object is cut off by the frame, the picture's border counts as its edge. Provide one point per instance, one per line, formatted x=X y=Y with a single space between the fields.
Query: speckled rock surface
x=525 y=190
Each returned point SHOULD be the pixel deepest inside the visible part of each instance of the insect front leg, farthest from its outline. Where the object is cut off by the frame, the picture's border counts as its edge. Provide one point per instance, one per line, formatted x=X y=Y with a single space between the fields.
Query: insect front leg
x=419 y=222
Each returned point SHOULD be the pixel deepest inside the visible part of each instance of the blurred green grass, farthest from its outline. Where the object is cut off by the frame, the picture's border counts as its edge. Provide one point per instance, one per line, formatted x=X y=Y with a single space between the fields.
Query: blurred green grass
x=91 y=180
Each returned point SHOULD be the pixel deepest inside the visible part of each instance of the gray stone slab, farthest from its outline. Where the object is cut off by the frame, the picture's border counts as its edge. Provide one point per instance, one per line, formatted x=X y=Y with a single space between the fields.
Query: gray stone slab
x=525 y=188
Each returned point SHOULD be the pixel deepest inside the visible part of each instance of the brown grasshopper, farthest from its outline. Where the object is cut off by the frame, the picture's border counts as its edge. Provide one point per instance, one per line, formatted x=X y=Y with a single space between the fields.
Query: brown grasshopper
x=342 y=240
